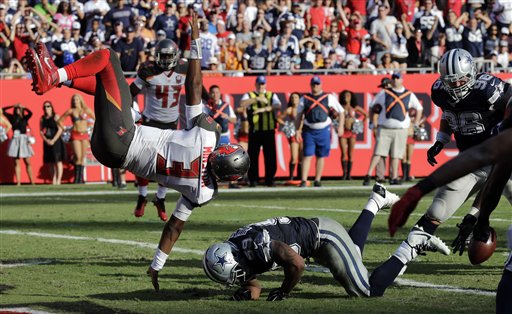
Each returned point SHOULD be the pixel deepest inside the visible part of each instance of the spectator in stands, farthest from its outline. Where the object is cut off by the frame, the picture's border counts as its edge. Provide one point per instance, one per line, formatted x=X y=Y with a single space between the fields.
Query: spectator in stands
x=390 y=116
x=245 y=36
x=213 y=68
x=347 y=141
x=209 y=45
x=77 y=38
x=416 y=49
x=334 y=47
x=287 y=120
x=46 y=8
x=365 y=63
x=20 y=147
x=21 y=36
x=453 y=31
x=491 y=40
x=54 y=151
x=95 y=9
x=168 y=21
x=119 y=13
x=271 y=15
x=404 y=10
x=231 y=55
x=314 y=128
x=308 y=48
x=317 y=15
x=355 y=34
x=398 y=50
x=256 y=57
x=260 y=106
x=64 y=18
x=98 y=32
x=80 y=115
x=141 y=31
x=502 y=10
x=66 y=50
x=77 y=9
x=130 y=50
x=283 y=57
x=431 y=22
x=504 y=57
x=299 y=25
x=117 y=34
x=381 y=30
x=386 y=65
x=260 y=21
x=473 y=41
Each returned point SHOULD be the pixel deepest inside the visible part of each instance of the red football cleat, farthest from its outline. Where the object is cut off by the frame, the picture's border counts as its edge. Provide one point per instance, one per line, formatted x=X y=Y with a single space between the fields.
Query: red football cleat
x=42 y=68
x=141 y=204
x=160 y=207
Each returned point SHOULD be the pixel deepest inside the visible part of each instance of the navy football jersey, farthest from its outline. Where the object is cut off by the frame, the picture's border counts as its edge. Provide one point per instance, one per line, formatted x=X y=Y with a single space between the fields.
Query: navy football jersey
x=253 y=241
x=257 y=58
x=472 y=118
x=283 y=59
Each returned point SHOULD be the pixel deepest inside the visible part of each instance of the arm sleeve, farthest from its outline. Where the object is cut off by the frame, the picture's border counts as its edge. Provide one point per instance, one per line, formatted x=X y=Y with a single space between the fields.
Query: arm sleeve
x=192 y=111
x=415 y=103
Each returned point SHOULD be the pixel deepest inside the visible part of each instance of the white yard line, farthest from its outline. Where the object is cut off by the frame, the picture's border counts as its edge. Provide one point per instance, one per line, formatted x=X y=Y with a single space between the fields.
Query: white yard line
x=400 y=281
x=27 y=263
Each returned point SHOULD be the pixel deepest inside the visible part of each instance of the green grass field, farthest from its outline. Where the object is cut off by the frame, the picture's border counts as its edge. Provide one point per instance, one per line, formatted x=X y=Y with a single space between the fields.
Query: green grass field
x=60 y=252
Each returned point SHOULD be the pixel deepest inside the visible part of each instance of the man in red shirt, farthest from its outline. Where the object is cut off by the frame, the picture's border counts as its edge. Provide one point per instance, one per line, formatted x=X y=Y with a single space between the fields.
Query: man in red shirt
x=183 y=32
x=355 y=35
x=316 y=15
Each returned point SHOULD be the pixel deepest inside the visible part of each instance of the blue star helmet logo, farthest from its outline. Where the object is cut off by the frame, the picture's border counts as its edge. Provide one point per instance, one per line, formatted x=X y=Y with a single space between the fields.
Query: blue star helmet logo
x=221 y=260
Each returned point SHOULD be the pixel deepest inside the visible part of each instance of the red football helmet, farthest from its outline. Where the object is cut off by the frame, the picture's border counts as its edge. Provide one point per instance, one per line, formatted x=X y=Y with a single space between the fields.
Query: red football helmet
x=229 y=162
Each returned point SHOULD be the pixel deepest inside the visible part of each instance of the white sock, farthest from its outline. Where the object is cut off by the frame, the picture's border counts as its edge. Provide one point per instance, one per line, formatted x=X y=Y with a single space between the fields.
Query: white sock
x=474 y=211
x=161 y=192
x=143 y=190
x=63 y=76
x=405 y=253
x=372 y=206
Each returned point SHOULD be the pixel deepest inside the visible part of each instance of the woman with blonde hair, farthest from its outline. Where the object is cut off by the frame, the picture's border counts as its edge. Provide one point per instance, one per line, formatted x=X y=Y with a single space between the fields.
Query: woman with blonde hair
x=80 y=115
x=54 y=151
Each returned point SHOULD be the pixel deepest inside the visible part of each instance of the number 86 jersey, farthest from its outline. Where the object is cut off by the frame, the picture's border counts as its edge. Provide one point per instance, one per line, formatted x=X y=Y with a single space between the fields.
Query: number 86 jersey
x=472 y=118
x=161 y=90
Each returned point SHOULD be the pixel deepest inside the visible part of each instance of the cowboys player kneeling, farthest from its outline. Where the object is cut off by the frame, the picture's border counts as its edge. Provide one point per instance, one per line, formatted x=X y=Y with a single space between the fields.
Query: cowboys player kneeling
x=286 y=241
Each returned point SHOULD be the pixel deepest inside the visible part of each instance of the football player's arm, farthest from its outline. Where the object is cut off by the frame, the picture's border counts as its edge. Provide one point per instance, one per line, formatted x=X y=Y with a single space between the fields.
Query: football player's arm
x=194 y=79
x=292 y=263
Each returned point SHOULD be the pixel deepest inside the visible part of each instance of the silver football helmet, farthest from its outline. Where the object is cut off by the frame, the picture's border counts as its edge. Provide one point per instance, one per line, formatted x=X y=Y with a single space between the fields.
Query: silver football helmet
x=167 y=54
x=220 y=265
x=458 y=72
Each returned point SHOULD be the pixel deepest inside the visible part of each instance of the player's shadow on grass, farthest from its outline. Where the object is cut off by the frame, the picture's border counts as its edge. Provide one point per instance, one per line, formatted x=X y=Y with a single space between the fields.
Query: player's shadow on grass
x=72 y=307
x=163 y=295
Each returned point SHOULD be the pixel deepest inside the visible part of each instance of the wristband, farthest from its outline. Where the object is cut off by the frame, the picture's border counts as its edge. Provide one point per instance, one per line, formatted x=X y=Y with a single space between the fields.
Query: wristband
x=443 y=137
x=196 y=52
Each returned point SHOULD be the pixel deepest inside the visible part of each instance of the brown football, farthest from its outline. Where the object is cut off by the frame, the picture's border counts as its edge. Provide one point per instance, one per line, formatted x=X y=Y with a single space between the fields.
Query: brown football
x=479 y=252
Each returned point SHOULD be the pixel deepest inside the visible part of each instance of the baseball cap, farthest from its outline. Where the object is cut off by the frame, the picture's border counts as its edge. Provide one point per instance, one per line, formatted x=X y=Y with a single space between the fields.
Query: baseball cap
x=385 y=82
x=315 y=80
x=161 y=32
x=2 y=6
x=231 y=36
x=130 y=29
x=213 y=60
x=504 y=30
x=261 y=80
x=76 y=25
x=397 y=75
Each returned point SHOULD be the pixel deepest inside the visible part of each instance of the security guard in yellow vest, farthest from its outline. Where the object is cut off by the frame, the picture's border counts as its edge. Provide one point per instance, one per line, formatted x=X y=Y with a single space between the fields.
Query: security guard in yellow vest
x=261 y=106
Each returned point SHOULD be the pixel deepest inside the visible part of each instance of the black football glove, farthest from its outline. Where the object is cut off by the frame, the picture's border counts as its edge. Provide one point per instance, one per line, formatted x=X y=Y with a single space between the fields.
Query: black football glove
x=242 y=294
x=433 y=152
x=482 y=231
x=465 y=229
x=277 y=295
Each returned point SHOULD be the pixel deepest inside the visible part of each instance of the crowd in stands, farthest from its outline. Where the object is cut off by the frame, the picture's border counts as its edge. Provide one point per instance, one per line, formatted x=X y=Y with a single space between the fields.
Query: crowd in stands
x=258 y=36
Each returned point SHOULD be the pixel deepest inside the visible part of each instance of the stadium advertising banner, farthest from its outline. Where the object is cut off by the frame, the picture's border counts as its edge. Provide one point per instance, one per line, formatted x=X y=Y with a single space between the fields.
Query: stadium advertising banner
x=364 y=86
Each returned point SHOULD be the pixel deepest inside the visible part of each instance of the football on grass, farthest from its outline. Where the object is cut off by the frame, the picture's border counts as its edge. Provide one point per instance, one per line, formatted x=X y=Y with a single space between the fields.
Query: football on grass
x=478 y=251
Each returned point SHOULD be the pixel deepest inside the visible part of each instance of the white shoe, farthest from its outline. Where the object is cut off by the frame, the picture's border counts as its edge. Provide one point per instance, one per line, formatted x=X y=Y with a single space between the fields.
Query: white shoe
x=383 y=197
x=421 y=241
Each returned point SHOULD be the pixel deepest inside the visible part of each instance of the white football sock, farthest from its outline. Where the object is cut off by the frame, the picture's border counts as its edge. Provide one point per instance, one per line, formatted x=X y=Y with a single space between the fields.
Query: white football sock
x=372 y=206
x=63 y=76
x=143 y=190
x=161 y=192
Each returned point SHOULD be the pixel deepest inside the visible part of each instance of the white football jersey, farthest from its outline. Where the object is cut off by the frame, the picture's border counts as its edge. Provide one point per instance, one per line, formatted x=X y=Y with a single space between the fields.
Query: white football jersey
x=161 y=90
x=176 y=158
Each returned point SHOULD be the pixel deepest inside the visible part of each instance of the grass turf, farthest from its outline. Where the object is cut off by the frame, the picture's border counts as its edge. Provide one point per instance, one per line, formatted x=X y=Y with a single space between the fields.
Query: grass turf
x=89 y=274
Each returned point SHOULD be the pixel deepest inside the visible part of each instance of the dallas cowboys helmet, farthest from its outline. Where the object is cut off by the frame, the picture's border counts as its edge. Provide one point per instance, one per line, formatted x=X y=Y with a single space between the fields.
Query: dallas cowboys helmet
x=167 y=54
x=458 y=72
x=220 y=265
x=229 y=162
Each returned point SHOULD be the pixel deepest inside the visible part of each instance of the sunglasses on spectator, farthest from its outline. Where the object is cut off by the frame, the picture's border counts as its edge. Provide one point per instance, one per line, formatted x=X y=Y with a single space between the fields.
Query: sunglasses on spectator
x=47 y=106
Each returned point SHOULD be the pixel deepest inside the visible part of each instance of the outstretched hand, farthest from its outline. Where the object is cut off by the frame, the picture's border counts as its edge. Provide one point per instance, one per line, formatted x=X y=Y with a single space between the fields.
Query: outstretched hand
x=154 y=278
x=403 y=208
x=194 y=26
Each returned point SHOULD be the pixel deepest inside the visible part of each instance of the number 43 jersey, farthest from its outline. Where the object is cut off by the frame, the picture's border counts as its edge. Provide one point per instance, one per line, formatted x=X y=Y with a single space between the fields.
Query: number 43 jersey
x=161 y=90
x=472 y=118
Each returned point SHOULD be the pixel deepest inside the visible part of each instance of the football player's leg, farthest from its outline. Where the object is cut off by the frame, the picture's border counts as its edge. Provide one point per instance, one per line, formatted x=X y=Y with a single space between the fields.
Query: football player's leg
x=338 y=253
x=507 y=190
x=114 y=127
x=503 y=300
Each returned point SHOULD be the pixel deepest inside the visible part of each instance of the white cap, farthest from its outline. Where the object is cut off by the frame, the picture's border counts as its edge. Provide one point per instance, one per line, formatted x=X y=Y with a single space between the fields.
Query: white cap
x=231 y=36
x=504 y=30
x=213 y=60
x=76 y=25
